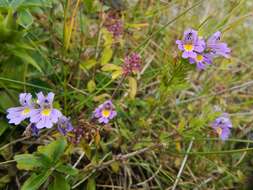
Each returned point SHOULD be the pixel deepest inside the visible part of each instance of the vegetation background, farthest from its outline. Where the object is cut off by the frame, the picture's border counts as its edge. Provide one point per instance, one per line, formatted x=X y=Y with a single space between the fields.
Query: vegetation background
x=161 y=138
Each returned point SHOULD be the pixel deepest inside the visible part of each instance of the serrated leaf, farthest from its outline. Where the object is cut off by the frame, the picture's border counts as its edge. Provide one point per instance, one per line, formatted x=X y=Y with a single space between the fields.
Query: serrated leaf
x=132 y=86
x=91 y=86
x=27 y=162
x=53 y=150
x=35 y=181
x=106 y=55
x=67 y=169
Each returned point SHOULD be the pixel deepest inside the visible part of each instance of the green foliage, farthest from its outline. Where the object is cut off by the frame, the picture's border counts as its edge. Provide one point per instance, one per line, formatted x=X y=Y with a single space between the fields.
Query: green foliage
x=45 y=162
x=66 y=47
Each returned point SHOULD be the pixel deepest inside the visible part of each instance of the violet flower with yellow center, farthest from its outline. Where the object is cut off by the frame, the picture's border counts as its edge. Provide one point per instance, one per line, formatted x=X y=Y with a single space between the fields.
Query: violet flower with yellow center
x=191 y=44
x=201 y=60
x=105 y=112
x=45 y=116
x=17 y=114
x=222 y=126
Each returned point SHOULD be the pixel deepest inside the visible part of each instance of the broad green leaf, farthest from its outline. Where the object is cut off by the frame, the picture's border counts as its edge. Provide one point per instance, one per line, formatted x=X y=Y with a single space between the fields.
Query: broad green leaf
x=106 y=55
x=132 y=86
x=27 y=162
x=35 y=181
x=25 y=18
x=91 y=185
x=111 y=67
x=67 y=169
x=54 y=150
x=59 y=183
x=91 y=86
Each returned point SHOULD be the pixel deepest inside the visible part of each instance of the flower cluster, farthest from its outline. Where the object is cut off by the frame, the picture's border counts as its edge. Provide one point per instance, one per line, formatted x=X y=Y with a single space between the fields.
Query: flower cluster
x=200 y=52
x=132 y=63
x=222 y=126
x=41 y=113
x=114 y=24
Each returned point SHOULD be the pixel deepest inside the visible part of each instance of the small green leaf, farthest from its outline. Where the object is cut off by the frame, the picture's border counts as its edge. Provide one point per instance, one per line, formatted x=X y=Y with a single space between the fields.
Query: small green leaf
x=91 y=185
x=117 y=74
x=108 y=38
x=27 y=162
x=86 y=65
x=111 y=67
x=25 y=18
x=115 y=167
x=106 y=55
x=59 y=183
x=53 y=150
x=67 y=169
x=35 y=181
x=91 y=86
x=4 y=180
x=133 y=87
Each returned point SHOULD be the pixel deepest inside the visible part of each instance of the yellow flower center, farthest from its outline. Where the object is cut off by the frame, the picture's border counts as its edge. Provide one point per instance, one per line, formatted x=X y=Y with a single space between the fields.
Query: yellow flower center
x=188 y=47
x=106 y=113
x=26 y=111
x=46 y=112
x=199 y=58
x=219 y=131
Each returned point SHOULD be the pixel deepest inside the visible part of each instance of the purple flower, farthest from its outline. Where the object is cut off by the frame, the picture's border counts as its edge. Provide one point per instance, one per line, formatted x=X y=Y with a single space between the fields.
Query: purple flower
x=105 y=112
x=132 y=63
x=31 y=130
x=216 y=47
x=222 y=126
x=116 y=28
x=17 y=114
x=45 y=115
x=64 y=125
x=34 y=130
x=191 y=44
x=114 y=24
x=201 y=60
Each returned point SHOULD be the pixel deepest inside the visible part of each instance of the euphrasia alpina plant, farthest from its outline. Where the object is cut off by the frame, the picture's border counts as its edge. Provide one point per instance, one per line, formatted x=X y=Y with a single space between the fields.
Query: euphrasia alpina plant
x=201 y=52
x=40 y=113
